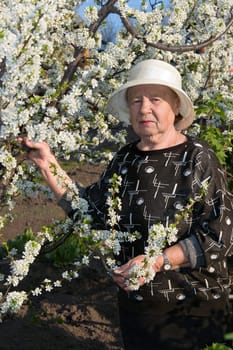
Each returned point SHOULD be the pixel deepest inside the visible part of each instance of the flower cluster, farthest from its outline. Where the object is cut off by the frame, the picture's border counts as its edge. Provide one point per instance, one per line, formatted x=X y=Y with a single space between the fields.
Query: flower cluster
x=13 y=302
x=158 y=237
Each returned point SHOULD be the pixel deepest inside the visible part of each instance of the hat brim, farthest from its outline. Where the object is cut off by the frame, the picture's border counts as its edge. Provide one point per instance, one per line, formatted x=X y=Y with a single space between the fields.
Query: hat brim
x=118 y=106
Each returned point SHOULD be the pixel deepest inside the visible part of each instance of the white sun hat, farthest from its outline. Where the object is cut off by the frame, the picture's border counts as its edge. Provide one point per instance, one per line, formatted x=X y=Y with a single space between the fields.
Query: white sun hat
x=152 y=71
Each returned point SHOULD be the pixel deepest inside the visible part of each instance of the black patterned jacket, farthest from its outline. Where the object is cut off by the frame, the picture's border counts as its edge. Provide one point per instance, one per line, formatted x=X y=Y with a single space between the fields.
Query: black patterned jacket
x=155 y=186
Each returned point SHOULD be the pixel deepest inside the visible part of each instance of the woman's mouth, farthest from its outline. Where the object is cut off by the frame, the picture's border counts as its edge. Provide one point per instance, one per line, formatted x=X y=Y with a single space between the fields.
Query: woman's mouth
x=146 y=122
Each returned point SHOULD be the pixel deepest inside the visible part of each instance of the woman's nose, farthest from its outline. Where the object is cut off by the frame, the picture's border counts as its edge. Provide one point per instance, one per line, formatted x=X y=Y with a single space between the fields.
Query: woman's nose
x=145 y=105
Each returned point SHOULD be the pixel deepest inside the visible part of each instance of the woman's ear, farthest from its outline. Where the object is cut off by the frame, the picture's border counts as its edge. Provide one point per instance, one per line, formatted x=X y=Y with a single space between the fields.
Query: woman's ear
x=177 y=106
x=178 y=117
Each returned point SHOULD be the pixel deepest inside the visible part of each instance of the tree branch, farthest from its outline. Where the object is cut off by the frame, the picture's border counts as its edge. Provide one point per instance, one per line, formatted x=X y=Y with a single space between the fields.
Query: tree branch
x=175 y=48
x=126 y=23
x=195 y=47
x=102 y=14
x=79 y=52
x=79 y=56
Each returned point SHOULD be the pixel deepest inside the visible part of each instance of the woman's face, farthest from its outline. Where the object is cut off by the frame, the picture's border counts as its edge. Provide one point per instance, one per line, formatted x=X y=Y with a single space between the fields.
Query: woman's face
x=152 y=109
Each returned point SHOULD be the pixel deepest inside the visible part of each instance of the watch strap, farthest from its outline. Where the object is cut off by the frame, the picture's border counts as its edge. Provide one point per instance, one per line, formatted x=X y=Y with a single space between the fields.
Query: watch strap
x=166 y=263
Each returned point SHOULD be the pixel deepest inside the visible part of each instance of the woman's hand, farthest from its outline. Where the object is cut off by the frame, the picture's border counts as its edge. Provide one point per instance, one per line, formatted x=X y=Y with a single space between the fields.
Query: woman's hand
x=176 y=257
x=41 y=155
x=38 y=152
x=122 y=274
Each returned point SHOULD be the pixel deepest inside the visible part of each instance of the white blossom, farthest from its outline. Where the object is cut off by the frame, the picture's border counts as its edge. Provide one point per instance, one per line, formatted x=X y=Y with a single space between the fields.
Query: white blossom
x=37 y=291
x=14 y=301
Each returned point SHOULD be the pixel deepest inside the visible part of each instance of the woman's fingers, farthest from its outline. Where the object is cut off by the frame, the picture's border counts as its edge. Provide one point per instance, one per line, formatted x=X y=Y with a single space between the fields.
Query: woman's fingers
x=122 y=274
x=26 y=144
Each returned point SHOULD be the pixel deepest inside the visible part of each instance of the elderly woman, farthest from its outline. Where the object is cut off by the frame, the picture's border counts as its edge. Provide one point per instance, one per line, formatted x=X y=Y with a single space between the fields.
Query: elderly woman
x=186 y=305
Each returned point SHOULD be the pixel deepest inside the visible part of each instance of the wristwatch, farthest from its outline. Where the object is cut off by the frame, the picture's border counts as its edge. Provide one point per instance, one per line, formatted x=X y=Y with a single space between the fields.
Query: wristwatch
x=166 y=263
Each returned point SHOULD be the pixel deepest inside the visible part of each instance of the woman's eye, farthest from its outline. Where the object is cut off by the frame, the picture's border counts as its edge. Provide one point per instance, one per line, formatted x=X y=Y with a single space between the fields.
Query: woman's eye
x=155 y=99
x=136 y=100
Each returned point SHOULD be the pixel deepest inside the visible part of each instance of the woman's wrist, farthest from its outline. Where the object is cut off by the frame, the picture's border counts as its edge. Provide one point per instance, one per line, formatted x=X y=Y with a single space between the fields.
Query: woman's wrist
x=158 y=265
x=55 y=176
x=49 y=164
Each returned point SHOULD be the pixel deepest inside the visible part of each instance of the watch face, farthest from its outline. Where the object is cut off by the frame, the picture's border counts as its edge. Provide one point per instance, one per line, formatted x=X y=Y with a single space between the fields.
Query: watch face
x=167 y=267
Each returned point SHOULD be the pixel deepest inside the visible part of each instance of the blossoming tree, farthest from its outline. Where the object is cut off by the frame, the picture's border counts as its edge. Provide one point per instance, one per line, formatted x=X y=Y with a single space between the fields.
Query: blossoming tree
x=55 y=79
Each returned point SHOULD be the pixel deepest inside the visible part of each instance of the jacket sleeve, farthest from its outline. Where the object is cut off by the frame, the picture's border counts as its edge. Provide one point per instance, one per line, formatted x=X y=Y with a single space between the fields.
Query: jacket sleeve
x=213 y=216
x=65 y=201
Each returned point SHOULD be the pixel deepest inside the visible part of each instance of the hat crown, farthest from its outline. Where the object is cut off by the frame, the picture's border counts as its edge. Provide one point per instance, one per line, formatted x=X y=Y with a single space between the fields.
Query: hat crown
x=156 y=71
